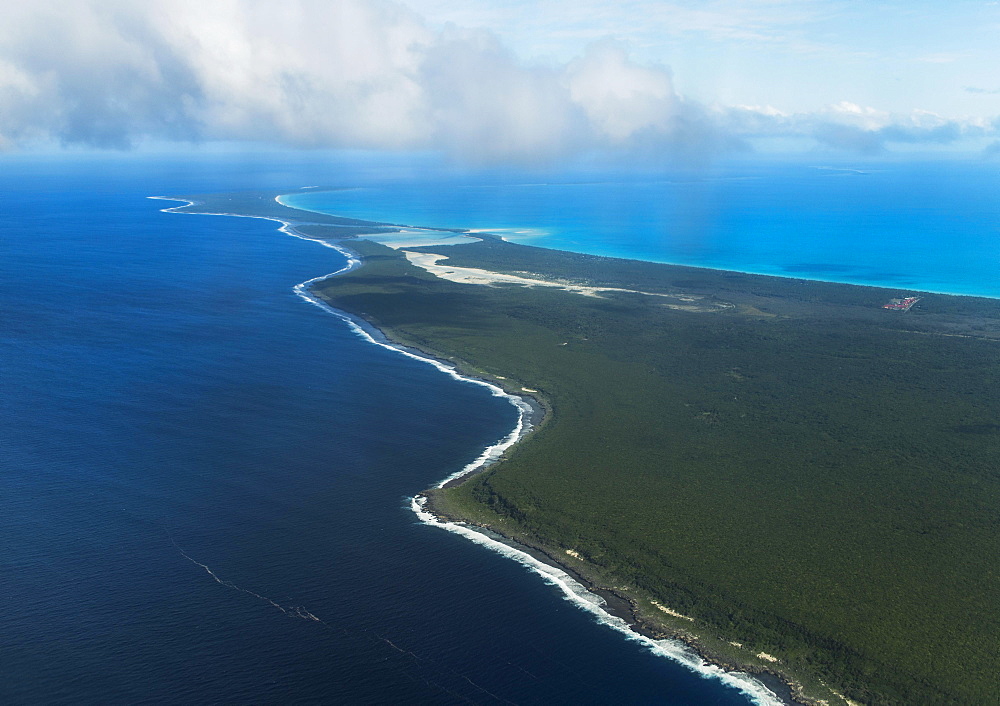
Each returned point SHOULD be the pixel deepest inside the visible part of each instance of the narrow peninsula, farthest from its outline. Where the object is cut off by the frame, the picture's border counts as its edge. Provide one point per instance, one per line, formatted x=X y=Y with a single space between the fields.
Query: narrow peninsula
x=785 y=474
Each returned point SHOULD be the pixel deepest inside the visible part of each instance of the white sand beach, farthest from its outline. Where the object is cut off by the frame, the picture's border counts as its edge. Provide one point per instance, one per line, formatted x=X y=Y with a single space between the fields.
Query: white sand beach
x=473 y=275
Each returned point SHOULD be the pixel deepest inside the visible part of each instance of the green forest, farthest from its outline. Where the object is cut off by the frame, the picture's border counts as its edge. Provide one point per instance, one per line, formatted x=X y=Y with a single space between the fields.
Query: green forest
x=786 y=475
x=807 y=476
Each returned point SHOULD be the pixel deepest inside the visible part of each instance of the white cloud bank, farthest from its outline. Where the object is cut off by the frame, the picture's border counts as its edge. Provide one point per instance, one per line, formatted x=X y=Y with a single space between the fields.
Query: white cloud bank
x=364 y=74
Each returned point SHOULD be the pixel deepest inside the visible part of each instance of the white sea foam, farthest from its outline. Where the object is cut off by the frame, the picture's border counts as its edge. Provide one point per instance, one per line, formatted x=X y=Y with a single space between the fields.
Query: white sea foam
x=493 y=452
x=572 y=590
x=577 y=594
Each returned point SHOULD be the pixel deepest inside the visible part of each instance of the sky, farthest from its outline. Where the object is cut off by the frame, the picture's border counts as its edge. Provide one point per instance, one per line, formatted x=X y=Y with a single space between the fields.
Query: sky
x=517 y=81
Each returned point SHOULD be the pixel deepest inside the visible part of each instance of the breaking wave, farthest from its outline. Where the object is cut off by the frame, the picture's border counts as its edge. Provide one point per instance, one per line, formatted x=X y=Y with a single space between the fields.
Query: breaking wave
x=577 y=594
x=572 y=590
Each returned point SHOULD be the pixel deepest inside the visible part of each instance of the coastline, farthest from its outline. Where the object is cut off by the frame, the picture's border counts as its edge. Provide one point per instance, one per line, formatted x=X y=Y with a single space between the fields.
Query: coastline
x=605 y=605
x=617 y=611
x=784 y=274
x=609 y=607
x=612 y=610
x=639 y=618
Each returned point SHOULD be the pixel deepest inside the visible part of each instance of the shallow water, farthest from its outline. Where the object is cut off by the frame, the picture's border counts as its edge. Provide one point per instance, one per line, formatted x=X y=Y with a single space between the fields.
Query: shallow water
x=929 y=227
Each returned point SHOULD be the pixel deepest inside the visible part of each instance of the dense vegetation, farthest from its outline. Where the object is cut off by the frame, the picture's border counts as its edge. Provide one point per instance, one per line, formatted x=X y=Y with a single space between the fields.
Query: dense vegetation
x=803 y=473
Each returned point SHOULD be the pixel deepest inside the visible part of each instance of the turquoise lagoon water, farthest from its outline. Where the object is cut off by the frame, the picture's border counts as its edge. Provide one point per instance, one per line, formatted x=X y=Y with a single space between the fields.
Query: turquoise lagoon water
x=928 y=227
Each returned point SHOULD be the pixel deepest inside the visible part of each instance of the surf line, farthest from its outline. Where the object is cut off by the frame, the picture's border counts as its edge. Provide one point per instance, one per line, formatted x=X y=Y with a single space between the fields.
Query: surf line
x=286 y=227
x=573 y=591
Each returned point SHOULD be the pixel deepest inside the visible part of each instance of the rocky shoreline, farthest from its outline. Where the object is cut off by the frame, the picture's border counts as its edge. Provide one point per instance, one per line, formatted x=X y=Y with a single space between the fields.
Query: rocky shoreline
x=620 y=605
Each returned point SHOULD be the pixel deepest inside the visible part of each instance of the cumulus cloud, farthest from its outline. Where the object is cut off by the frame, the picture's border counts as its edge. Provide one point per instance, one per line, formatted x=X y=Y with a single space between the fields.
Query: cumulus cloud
x=851 y=127
x=484 y=105
x=619 y=97
x=91 y=73
x=365 y=74
x=332 y=73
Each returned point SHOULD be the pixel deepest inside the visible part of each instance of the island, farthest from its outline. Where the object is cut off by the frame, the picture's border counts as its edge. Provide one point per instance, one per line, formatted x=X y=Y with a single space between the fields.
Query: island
x=785 y=474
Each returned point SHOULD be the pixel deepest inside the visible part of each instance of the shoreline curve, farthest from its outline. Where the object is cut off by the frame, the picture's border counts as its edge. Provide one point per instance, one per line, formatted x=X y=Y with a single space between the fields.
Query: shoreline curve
x=531 y=415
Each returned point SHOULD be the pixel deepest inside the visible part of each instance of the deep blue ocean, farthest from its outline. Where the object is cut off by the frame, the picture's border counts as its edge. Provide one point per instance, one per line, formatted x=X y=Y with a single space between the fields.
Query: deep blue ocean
x=205 y=480
x=196 y=463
